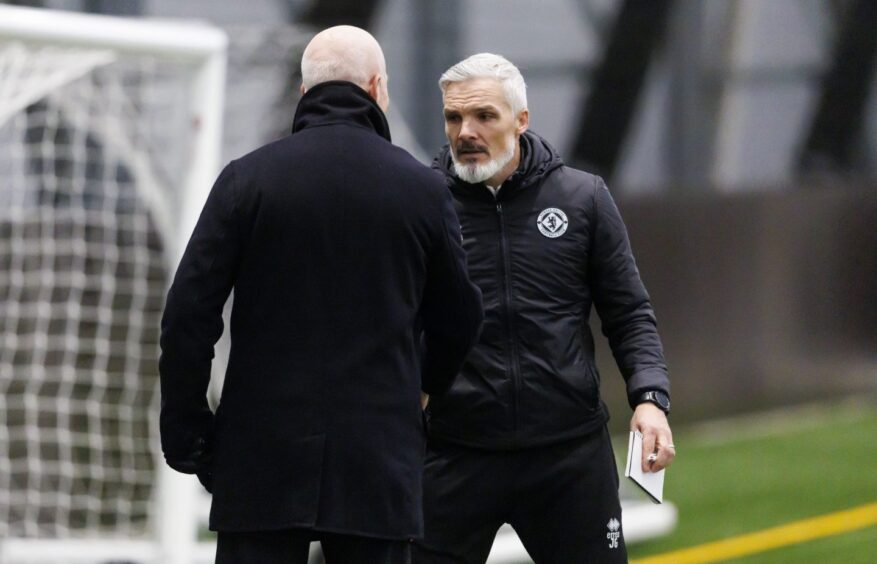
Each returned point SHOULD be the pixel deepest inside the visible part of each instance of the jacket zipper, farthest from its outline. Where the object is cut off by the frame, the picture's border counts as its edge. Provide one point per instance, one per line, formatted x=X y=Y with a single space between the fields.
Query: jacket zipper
x=514 y=367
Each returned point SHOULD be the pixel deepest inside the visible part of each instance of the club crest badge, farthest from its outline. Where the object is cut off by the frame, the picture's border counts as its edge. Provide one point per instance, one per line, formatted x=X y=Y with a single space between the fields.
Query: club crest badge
x=552 y=222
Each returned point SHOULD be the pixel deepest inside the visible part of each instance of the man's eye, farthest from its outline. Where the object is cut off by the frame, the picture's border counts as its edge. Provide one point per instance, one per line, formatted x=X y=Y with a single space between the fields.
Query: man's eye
x=452 y=119
x=485 y=116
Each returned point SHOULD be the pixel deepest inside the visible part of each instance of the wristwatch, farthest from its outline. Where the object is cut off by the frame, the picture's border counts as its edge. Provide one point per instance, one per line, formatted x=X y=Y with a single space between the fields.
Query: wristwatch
x=658 y=398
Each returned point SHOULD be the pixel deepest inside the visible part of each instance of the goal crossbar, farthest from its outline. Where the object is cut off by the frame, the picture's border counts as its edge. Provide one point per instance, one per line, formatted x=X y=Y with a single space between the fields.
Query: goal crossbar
x=156 y=37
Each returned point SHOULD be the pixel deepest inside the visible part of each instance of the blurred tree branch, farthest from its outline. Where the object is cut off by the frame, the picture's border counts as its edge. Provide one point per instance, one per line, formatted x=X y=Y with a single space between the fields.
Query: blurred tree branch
x=638 y=31
x=832 y=140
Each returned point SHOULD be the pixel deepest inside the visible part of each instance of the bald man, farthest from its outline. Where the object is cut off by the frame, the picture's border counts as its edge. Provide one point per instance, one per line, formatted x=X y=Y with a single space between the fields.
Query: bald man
x=350 y=299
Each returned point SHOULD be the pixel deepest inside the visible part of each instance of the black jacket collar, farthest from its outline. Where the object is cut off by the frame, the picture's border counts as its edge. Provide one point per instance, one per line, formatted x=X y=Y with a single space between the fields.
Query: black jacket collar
x=538 y=158
x=338 y=101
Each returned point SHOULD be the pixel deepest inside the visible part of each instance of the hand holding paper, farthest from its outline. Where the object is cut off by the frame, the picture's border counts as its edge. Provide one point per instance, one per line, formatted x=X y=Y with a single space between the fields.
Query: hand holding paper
x=651 y=482
x=657 y=436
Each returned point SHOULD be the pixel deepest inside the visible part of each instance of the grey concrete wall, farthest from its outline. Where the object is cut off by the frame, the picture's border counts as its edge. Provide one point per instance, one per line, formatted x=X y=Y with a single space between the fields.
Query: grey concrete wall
x=762 y=300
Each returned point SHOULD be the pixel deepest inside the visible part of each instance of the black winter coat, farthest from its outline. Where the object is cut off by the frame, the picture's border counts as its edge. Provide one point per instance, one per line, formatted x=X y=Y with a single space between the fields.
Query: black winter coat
x=350 y=295
x=549 y=246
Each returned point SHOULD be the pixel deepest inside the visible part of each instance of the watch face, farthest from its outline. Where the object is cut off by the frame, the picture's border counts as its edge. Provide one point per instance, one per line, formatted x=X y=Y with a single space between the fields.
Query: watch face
x=659 y=398
x=662 y=399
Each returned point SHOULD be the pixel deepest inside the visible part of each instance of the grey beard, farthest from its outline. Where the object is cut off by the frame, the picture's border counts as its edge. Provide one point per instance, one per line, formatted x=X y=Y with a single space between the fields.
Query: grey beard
x=475 y=173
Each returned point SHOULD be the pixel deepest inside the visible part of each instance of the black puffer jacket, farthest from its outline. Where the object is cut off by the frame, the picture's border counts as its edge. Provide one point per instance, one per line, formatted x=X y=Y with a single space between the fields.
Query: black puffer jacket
x=550 y=245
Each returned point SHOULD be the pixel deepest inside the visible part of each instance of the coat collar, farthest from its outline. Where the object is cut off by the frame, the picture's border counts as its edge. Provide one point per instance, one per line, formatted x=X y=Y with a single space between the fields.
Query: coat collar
x=338 y=101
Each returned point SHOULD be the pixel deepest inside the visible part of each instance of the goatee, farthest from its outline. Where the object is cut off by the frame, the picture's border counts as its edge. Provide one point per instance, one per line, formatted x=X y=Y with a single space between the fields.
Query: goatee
x=475 y=173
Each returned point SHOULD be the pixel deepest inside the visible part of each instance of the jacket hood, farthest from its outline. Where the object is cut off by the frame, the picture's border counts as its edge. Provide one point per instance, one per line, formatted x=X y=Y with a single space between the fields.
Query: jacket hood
x=338 y=101
x=538 y=159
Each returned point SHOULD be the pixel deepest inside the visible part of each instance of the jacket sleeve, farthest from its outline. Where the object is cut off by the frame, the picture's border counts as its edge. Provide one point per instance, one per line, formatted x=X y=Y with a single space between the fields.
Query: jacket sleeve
x=191 y=325
x=622 y=302
x=451 y=310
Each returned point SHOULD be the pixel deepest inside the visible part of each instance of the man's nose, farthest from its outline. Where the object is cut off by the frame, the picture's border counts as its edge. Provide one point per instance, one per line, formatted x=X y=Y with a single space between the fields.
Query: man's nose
x=467 y=129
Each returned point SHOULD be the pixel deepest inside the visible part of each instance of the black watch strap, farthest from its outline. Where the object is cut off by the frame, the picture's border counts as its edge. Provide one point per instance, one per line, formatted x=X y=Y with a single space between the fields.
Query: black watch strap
x=658 y=398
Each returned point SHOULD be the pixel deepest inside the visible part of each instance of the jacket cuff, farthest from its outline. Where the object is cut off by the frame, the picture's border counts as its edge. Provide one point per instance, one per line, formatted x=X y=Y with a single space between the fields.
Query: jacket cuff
x=648 y=380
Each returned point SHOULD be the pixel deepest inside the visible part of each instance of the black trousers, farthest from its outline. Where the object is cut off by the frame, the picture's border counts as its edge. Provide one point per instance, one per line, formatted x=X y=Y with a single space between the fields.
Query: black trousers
x=561 y=499
x=291 y=547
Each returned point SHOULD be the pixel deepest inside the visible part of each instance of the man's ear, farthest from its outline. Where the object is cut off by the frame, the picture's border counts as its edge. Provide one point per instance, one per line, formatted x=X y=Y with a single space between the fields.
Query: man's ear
x=523 y=121
x=301 y=89
x=374 y=87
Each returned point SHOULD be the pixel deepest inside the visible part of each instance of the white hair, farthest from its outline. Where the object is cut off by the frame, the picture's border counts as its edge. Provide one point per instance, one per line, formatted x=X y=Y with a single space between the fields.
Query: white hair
x=488 y=65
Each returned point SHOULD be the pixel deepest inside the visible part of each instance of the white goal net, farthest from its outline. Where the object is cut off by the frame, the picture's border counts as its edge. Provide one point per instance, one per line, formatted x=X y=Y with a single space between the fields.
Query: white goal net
x=109 y=138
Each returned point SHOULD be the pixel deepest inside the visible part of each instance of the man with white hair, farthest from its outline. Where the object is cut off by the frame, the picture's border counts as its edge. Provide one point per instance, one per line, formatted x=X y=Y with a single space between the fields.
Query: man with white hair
x=350 y=297
x=520 y=437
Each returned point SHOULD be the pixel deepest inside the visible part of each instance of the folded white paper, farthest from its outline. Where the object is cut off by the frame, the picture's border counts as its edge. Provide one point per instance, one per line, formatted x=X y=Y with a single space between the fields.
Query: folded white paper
x=650 y=482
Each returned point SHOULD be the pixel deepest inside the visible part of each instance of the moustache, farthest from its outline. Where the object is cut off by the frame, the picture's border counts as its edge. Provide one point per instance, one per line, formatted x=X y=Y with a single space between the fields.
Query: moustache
x=465 y=148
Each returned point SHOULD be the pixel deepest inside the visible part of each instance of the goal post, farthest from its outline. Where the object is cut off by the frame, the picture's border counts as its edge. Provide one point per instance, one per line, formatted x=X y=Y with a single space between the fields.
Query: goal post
x=110 y=139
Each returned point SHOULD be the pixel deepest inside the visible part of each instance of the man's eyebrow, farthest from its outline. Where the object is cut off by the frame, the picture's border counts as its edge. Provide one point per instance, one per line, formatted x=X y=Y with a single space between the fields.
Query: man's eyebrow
x=476 y=109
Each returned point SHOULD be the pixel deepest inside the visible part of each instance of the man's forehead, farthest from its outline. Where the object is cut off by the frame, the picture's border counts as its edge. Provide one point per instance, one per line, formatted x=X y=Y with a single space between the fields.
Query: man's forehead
x=475 y=92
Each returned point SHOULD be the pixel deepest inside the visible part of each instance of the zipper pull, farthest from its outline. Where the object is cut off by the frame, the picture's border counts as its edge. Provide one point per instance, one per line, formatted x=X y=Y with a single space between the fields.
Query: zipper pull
x=499 y=208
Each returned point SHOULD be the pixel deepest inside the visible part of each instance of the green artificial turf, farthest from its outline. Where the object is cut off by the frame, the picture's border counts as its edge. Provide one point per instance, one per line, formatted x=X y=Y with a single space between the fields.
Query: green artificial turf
x=859 y=547
x=745 y=476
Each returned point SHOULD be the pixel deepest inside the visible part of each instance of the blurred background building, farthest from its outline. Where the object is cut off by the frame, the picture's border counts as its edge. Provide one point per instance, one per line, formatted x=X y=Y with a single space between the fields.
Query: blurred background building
x=738 y=136
x=684 y=95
